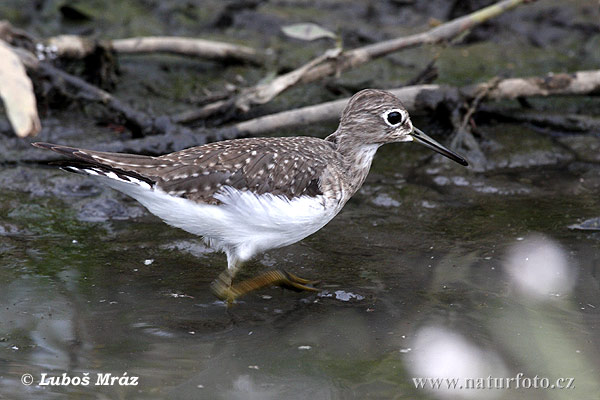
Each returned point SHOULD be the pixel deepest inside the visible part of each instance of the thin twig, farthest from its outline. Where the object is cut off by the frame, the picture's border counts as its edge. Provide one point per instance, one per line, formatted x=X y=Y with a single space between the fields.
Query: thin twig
x=463 y=136
x=484 y=90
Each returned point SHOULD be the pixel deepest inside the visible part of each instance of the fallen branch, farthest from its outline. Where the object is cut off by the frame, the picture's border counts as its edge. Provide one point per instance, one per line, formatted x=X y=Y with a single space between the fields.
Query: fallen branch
x=328 y=64
x=79 y=47
x=582 y=82
x=190 y=47
x=74 y=46
x=424 y=98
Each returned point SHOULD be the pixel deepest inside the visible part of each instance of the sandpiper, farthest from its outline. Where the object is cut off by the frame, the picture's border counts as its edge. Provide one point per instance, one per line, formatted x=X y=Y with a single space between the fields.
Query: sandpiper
x=246 y=196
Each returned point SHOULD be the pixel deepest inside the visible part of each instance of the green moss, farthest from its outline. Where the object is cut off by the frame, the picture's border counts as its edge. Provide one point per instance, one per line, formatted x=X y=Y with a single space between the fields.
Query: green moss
x=50 y=228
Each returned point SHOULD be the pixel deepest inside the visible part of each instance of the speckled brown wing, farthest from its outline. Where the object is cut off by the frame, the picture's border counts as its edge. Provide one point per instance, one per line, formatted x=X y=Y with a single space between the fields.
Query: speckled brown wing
x=280 y=166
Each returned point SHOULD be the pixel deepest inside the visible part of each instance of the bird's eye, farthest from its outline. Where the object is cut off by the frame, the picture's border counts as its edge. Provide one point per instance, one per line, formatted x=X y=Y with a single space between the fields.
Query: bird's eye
x=394 y=118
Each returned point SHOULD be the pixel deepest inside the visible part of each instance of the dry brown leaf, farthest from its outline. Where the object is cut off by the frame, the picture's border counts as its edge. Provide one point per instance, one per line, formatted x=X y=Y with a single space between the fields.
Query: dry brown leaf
x=16 y=91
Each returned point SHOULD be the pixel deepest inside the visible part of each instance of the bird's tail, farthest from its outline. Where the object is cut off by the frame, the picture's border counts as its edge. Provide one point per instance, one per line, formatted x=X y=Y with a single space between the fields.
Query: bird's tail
x=121 y=167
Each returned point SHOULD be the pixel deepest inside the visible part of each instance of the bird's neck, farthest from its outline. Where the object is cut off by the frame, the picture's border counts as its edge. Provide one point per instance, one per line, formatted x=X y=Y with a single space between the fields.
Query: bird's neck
x=356 y=157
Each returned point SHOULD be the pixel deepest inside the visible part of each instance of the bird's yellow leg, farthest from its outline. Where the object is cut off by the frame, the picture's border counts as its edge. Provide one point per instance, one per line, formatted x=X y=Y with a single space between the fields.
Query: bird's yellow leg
x=224 y=290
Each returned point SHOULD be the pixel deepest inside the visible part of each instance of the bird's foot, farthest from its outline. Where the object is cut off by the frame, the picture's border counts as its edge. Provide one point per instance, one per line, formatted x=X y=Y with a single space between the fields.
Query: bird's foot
x=287 y=280
x=224 y=290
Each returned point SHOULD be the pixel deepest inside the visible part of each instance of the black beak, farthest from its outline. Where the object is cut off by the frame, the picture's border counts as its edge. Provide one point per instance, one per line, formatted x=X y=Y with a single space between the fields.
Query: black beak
x=422 y=138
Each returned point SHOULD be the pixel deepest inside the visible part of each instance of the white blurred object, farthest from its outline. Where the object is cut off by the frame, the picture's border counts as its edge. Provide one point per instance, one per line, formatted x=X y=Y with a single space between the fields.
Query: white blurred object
x=16 y=91
x=538 y=267
x=440 y=353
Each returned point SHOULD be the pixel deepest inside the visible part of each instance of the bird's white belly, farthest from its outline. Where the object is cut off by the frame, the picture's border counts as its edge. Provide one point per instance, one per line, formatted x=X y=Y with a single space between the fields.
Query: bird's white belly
x=245 y=223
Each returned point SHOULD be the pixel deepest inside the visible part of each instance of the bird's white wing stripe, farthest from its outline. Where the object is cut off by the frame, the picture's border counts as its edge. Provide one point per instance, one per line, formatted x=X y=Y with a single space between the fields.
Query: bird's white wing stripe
x=108 y=174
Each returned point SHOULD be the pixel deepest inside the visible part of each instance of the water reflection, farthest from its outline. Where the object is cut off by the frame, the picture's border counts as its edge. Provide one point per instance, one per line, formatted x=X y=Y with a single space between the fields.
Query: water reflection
x=440 y=353
x=539 y=268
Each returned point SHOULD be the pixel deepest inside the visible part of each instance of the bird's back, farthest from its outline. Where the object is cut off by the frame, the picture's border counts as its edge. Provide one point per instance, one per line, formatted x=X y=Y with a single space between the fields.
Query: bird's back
x=282 y=166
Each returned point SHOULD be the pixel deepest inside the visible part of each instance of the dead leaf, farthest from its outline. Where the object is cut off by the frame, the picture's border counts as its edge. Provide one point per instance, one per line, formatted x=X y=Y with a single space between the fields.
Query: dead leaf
x=308 y=31
x=16 y=91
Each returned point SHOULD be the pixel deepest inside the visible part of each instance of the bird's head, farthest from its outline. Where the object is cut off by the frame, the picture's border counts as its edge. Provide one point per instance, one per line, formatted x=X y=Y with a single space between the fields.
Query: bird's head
x=376 y=117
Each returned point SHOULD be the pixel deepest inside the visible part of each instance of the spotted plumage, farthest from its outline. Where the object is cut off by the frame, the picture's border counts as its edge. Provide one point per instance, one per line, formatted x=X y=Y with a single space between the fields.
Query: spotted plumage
x=281 y=166
x=245 y=196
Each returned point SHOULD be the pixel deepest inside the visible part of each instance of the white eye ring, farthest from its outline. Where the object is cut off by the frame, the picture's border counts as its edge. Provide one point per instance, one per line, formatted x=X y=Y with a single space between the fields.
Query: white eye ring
x=394 y=114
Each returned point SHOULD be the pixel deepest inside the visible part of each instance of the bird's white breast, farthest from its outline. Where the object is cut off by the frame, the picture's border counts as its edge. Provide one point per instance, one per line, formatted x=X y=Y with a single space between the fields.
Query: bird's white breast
x=245 y=223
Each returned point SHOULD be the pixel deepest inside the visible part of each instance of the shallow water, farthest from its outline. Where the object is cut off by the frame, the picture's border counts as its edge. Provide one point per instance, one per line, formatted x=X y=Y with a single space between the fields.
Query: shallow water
x=418 y=260
x=430 y=271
